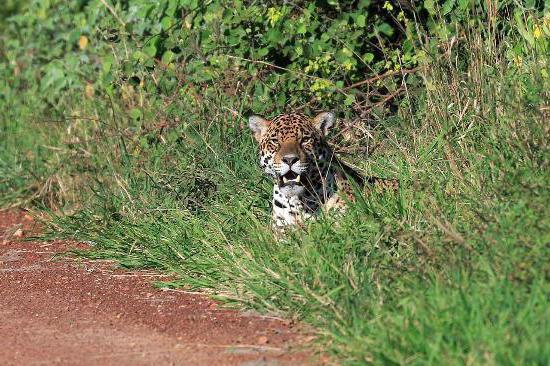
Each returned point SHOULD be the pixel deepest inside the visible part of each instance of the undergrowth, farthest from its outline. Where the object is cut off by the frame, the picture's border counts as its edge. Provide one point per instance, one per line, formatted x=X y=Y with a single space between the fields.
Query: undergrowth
x=453 y=269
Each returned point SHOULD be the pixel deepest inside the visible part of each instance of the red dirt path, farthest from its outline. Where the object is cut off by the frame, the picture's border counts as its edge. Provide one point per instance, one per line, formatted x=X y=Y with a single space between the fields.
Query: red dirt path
x=61 y=311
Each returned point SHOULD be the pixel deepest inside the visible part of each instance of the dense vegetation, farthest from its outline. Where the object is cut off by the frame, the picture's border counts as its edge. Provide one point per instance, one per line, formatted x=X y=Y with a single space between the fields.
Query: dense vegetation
x=126 y=122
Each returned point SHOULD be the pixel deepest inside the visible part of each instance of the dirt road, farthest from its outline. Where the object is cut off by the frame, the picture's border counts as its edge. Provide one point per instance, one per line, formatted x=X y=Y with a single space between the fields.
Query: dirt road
x=62 y=311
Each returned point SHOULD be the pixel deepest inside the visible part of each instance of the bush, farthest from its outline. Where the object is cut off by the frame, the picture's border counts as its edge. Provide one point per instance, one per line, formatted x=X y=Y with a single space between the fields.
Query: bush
x=293 y=53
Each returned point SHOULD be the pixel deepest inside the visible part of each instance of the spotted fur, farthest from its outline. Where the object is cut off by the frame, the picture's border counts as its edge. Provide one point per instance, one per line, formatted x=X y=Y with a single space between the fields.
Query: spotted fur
x=308 y=176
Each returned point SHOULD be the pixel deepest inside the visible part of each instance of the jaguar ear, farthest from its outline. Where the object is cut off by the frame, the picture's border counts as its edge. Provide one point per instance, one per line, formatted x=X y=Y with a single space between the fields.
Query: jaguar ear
x=258 y=125
x=324 y=122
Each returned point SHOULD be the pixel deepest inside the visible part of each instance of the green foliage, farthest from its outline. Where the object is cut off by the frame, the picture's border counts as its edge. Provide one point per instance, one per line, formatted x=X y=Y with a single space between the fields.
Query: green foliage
x=9 y=8
x=275 y=55
x=292 y=52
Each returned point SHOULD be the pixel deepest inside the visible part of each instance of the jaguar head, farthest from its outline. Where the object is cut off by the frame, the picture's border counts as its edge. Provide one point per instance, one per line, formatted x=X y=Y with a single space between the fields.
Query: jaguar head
x=291 y=147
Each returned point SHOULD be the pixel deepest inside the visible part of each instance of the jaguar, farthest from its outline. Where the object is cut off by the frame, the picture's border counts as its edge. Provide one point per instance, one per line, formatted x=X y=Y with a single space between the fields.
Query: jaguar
x=308 y=176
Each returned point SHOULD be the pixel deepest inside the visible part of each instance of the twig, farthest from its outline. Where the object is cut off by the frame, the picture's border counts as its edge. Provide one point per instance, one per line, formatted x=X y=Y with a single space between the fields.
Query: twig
x=386 y=99
x=381 y=76
x=343 y=91
x=113 y=12
x=307 y=104
x=367 y=81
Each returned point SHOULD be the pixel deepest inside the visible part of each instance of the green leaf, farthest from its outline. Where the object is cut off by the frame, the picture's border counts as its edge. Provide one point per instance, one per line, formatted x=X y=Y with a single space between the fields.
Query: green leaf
x=301 y=29
x=448 y=6
x=522 y=28
x=107 y=62
x=385 y=28
x=135 y=113
x=54 y=79
x=262 y=52
x=429 y=5
x=360 y=20
x=350 y=99
x=368 y=57
x=150 y=50
x=167 y=57
x=343 y=55
x=464 y=4
x=166 y=23
x=274 y=36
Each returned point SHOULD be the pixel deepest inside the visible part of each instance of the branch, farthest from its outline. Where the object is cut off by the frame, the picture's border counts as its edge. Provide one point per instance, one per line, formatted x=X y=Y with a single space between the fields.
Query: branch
x=382 y=76
x=113 y=12
x=386 y=99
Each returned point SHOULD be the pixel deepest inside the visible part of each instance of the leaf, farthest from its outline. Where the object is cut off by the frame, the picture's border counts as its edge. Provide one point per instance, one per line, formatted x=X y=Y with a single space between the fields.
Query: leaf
x=385 y=28
x=150 y=50
x=429 y=5
x=262 y=52
x=106 y=63
x=82 y=42
x=368 y=57
x=350 y=99
x=364 y=3
x=343 y=55
x=166 y=23
x=522 y=29
x=54 y=79
x=448 y=6
x=89 y=90
x=167 y=57
x=274 y=36
x=135 y=113
x=463 y=4
x=361 y=20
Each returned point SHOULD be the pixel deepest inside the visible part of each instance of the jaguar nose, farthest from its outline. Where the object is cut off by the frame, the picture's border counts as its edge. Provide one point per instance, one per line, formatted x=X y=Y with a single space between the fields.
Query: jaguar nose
x=290 y=159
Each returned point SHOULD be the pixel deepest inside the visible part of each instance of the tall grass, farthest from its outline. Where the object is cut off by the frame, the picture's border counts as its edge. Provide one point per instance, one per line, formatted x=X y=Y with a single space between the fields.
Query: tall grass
x=451 y=270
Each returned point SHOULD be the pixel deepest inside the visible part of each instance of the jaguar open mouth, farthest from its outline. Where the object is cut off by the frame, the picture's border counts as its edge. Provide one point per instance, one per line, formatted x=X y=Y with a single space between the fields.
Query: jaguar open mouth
x=289 y=179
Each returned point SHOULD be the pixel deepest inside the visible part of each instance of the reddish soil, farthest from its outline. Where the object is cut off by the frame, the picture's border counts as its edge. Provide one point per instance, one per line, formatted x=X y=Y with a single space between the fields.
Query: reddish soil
x=61 y=311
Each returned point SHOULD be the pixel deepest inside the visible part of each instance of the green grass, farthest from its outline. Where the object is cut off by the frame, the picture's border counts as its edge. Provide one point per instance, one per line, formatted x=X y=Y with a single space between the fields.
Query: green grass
x=451 y=270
